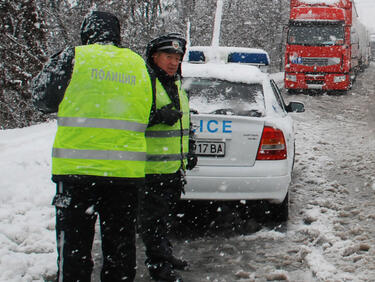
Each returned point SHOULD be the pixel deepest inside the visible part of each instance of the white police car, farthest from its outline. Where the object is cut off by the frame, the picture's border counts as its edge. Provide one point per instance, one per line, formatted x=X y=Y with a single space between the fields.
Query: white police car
x=245 y=137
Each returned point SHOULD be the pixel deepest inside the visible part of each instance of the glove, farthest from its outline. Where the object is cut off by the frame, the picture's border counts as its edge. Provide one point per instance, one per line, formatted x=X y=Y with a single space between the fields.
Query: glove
x=192 y=161
x=167 y=115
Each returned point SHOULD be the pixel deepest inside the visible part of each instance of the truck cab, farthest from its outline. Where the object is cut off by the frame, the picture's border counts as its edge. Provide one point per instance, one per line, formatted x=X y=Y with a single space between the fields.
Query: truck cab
x=325 y=44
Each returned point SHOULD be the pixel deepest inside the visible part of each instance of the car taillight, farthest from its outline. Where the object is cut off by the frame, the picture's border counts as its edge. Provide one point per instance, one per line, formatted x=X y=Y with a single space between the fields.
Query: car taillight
x=272 y=145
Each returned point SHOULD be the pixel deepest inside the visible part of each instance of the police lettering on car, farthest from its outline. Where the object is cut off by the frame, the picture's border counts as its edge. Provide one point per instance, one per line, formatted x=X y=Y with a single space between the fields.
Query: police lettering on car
x=214 y=126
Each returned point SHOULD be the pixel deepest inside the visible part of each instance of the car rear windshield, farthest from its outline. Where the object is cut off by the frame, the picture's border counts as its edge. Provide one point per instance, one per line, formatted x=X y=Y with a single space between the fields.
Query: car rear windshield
x=214 y=96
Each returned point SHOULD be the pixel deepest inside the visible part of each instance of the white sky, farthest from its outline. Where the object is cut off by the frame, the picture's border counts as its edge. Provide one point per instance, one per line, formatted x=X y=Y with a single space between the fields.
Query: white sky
x=366 y=11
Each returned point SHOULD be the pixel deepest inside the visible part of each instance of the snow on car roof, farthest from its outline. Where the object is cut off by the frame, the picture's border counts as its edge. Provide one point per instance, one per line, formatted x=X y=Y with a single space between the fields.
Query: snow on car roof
x=231 y=72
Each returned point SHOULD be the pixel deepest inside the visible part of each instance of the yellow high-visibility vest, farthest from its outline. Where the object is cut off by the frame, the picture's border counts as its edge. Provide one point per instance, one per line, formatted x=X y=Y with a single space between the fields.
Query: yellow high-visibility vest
x=104 y=114
x=167 y=146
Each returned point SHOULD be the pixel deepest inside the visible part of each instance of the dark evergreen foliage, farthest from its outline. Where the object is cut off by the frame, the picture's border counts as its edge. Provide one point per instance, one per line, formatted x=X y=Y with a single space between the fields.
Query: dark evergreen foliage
x=22 y=37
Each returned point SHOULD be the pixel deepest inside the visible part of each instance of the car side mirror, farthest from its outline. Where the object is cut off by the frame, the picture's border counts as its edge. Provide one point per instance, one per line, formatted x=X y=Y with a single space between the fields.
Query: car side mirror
x=295 y=107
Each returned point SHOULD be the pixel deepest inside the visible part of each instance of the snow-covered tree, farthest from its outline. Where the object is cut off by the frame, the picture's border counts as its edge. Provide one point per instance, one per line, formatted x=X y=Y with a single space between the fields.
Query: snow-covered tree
x=256 y=24
x=21 y=52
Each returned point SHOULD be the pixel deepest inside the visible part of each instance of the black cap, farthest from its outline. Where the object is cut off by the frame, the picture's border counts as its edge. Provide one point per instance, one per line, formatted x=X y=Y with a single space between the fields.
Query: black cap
x=169 y=43
x=170 y=46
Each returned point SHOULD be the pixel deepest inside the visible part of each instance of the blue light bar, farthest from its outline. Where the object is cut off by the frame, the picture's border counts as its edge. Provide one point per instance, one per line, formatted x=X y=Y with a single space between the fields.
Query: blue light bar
x=197 y=57
x=248 y=58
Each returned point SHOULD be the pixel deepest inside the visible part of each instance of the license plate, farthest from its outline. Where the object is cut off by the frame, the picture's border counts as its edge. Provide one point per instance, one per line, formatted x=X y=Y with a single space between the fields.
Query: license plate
x=210 y=148
x=314 y=86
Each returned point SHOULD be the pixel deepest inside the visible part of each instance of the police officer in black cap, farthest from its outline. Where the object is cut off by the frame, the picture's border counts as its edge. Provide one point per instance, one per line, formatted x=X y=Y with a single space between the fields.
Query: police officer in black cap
x=169 y=154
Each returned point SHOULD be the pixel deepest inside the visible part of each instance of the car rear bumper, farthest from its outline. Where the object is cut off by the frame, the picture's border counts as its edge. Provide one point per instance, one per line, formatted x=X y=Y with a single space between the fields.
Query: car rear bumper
x=266 y=180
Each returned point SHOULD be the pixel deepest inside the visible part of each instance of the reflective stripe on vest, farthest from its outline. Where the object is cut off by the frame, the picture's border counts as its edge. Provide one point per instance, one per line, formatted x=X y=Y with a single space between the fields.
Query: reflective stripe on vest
x=167 y=146
x=98 y=155
x=162 y=158
x=169 y=133
x=104 y=114
x=101 y=123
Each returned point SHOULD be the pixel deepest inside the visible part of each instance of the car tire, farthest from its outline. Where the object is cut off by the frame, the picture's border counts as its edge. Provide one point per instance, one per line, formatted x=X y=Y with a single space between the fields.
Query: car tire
x=280 y=212
x=269 y=212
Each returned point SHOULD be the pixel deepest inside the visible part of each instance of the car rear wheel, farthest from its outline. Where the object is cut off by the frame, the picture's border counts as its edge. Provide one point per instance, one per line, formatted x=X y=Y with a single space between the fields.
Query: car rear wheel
x=269 y=212
x=280 y=212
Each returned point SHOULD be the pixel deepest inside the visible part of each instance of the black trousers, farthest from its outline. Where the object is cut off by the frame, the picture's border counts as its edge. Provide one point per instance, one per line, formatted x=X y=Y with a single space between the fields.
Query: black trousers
x=77 y=209
x=157 y=207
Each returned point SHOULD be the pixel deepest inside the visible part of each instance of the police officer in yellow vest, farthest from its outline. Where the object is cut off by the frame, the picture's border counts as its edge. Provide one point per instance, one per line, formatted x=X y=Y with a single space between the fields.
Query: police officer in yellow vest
x=167 y=154
x=103 y=95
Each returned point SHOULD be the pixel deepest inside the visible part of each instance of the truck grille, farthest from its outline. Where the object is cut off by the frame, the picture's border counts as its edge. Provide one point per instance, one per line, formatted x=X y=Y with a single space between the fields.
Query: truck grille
x=315 y=79
x=316 y=82
x=315 y=61
x=310 y=61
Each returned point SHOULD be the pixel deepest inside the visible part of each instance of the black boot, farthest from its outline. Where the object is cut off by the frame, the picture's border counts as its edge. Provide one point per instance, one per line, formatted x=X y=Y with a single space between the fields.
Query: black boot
x=163 y=272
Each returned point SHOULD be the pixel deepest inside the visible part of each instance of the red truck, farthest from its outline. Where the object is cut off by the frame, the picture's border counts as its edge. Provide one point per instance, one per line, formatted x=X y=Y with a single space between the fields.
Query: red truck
x=326 y=45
